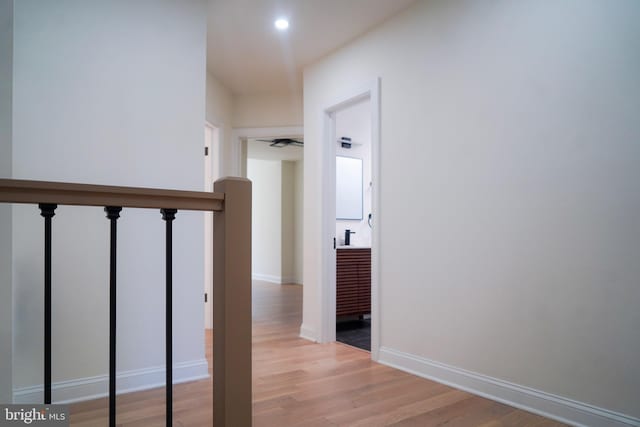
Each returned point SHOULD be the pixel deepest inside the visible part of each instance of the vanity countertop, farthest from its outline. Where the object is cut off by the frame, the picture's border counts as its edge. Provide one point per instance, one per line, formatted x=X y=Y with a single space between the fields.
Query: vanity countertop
x=354 y=247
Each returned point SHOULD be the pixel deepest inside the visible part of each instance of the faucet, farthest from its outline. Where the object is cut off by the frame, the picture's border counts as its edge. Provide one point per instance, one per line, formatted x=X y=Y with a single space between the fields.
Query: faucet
x=347 y=236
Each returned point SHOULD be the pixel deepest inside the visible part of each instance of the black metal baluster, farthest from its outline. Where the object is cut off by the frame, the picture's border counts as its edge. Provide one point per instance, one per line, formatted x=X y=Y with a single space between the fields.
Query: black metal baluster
x=47 y=211
x=113 y=213
x=168 y=215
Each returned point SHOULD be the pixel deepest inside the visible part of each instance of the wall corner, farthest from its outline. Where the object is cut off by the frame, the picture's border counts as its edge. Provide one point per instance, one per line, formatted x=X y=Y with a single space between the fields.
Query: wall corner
x=6 y=119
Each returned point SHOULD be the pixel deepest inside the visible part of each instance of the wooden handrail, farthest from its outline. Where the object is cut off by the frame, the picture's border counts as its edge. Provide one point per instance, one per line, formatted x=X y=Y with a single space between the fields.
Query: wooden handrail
x=26 y=191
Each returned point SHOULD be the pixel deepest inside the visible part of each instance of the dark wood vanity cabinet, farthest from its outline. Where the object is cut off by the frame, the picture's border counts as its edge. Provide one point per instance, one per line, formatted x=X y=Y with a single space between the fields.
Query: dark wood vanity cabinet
x=353 y=281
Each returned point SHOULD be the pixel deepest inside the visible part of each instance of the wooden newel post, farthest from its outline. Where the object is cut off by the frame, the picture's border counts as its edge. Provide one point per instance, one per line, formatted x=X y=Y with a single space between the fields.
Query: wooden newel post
x=232 y=305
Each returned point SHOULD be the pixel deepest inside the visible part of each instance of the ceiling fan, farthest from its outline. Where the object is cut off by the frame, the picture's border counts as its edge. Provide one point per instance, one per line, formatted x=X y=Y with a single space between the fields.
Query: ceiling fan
x=283 y=142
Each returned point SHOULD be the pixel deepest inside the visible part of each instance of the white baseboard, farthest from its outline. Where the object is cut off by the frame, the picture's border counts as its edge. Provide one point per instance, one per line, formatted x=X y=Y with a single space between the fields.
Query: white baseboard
x=267 y=278
x=128 y=381
x=559 y=408
x=308 y=333
x=273 y=279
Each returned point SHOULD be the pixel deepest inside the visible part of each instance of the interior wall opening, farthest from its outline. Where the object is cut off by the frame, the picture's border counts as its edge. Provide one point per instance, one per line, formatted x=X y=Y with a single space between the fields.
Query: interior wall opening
x=275 y=167
x=353 y=224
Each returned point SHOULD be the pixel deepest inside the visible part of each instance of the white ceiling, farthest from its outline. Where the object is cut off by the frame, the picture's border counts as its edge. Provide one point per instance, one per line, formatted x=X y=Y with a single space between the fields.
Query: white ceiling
x=248 y=55
x=260 y=150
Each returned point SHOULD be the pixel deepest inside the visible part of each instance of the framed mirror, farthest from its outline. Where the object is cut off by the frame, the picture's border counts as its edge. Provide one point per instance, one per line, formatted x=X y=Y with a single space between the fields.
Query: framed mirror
x=348 y=188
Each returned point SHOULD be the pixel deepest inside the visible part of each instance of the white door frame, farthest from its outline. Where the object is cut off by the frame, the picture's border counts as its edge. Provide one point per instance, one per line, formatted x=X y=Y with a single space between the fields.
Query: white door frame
x=216 y=151
x=211 y=173
x=369 y=90
x=238 y=135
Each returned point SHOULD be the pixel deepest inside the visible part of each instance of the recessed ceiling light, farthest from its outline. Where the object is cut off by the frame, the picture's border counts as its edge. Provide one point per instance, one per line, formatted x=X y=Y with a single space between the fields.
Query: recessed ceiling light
x=281 y=24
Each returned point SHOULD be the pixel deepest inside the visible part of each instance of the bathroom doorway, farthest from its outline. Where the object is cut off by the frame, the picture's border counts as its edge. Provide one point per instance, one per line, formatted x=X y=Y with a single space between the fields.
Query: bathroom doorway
x=358 y=93
x=353 y=224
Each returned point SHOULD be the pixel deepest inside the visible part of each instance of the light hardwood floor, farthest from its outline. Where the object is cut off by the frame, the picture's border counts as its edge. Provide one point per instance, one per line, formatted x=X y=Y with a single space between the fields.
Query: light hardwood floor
x=299 y=383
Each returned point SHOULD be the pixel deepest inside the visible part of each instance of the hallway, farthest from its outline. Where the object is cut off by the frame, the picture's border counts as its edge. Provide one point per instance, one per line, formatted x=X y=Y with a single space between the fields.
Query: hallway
x=300 y=383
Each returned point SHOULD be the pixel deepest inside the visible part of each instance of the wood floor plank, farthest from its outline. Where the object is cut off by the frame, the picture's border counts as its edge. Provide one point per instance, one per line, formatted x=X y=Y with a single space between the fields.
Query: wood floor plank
x=300 y=383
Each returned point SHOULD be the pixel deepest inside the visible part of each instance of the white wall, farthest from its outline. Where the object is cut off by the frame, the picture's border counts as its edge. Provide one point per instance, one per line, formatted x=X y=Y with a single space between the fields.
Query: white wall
x=355 y=122
x=267 y=110
x=510 y=223
x=108 y=93
x=266 y=222
x=6 y=88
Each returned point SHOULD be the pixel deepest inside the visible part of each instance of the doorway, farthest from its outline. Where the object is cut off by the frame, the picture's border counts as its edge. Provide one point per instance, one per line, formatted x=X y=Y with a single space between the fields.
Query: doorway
x=371 y=92
x=353 y=224
x=275 y=168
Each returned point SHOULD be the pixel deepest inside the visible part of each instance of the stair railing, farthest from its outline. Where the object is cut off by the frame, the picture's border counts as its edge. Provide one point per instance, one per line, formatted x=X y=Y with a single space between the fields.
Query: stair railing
x=231 y=203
